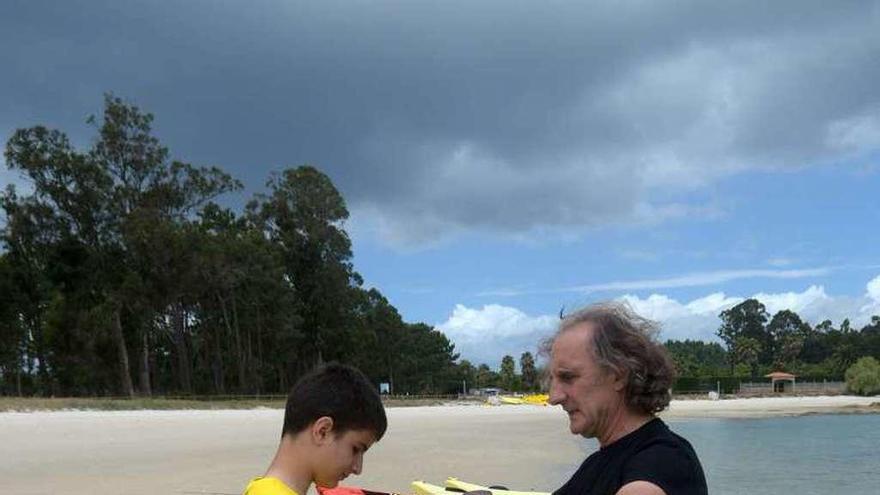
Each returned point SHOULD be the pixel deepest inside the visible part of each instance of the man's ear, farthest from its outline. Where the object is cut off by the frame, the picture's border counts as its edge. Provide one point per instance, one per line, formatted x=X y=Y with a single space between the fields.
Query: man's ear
x=322 y=430
x=619 y=380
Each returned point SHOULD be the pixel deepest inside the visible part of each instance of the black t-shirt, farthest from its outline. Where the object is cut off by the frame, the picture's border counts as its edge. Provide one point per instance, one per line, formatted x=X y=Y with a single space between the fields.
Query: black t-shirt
x=652 y=453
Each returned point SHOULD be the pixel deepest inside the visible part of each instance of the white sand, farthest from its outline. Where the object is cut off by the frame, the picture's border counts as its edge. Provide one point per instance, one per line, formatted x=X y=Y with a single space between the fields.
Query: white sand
x=770 y=406
x=178 y=452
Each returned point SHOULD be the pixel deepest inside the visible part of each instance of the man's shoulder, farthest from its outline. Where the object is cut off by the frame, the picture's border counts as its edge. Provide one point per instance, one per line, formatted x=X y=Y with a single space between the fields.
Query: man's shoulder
x=669 y=463
x=659 y=436
x=268 y=486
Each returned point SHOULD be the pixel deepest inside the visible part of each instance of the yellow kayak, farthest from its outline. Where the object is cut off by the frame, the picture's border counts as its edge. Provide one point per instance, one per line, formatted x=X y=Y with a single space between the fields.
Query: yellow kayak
x=457 y=484
x=422 y=488
x=507 y=399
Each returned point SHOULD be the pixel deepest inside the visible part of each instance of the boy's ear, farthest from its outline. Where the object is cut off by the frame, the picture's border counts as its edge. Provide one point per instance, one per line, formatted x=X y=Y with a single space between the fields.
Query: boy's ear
x=322 y=429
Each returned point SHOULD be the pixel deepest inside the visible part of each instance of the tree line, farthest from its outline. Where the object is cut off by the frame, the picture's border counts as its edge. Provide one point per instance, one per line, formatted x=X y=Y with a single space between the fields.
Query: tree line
x=754 y=343
x=121 y=274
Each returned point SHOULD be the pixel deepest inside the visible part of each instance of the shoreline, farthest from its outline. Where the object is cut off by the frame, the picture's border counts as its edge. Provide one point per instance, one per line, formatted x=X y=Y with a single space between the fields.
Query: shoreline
x=143 y=452
x=760 y=407
x=752 y=407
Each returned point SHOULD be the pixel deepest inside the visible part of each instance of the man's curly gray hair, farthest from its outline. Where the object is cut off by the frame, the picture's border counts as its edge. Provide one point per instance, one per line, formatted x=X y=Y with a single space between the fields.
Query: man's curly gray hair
x=625 y=344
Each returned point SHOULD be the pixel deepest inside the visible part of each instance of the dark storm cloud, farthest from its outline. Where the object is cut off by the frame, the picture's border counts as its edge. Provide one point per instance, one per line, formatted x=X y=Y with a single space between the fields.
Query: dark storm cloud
x=437 y=117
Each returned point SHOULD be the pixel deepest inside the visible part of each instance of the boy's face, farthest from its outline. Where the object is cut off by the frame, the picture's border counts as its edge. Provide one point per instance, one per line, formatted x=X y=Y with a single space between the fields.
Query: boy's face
x=341 y=456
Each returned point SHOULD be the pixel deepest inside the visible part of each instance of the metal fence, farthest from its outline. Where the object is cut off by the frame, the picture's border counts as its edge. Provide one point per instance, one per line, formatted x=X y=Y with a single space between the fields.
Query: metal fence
x=799 y=388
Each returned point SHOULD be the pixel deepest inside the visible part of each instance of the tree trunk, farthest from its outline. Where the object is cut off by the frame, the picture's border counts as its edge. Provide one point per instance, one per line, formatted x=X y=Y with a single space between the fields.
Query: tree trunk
x=19 y=358
x=241 y=357
x=122 y=353
x=18 y=378
x=390 y=380
x=259 y=365
x=154 y=373
x=40 y=351
x=232 y=328
x=282 y=378
x=178 y=336
x=217 y=364
x=144 y=366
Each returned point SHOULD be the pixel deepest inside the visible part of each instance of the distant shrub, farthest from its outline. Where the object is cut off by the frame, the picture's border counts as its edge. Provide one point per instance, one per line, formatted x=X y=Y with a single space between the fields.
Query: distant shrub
x=863 y=377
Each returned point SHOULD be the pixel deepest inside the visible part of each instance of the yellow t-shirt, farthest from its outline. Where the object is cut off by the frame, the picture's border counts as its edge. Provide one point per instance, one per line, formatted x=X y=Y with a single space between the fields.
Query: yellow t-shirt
x=268 y=486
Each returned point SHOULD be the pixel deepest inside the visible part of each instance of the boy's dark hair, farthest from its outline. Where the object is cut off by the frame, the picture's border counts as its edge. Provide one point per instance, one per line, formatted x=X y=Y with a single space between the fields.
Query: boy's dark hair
x=339 y=391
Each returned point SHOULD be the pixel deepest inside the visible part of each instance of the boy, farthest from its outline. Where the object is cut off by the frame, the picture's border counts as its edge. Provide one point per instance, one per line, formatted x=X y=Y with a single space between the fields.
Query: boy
x=333 y=415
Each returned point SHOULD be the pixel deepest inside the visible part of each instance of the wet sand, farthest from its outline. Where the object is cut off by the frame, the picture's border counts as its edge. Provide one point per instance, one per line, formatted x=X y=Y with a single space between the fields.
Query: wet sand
x=216 y=452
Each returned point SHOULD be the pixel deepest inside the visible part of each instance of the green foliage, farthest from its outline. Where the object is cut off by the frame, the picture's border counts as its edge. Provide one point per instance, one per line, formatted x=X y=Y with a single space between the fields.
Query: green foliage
x=124 y=276
x=507 y=374
x=529 y=372
x=695 y=358
x=863 y=377
x=784 y=340
x=485 y=377
x=707 y=383
x=743 y=324
x=303 y=215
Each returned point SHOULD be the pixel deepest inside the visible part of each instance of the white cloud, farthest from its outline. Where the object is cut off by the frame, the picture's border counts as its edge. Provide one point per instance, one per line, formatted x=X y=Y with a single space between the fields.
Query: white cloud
x=698 y=319
x=873 y=295
x=491 y=321
x=656 y=307
x=696 y=279
x=860 y=133
x=486 y=334
x=780 y=262
x=662 y=307
x=712 y=304
x=794 y=301
x=873 y=289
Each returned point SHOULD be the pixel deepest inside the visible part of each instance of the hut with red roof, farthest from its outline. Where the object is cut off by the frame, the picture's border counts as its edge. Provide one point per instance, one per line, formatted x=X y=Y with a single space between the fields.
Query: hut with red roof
x=781 y=381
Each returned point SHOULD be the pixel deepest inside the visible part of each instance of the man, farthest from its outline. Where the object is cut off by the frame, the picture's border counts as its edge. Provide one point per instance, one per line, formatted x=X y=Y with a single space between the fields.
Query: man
x=611 y=377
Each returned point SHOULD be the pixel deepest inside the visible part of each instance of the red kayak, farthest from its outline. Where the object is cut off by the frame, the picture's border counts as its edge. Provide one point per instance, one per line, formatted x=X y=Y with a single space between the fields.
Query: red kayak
x=350 y=490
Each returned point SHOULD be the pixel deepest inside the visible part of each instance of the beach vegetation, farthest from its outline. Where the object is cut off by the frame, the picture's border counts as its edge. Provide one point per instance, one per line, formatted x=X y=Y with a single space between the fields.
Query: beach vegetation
x=863 y=377
x=529 y=372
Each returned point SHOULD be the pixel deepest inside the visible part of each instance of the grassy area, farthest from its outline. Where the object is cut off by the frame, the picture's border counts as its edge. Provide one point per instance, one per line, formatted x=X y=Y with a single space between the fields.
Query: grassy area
x=118 y=404
x=23 y=404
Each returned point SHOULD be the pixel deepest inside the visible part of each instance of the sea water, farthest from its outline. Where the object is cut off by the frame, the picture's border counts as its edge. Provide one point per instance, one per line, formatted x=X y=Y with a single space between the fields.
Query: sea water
x=806 y=455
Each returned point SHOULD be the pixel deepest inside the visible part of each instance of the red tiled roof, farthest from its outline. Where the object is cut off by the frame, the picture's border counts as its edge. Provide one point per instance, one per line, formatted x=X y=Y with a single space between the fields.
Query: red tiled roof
x=780 y=375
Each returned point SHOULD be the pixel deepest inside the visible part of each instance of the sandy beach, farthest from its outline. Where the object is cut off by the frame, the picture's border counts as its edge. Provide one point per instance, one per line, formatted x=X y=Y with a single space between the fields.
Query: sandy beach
x=216 y=452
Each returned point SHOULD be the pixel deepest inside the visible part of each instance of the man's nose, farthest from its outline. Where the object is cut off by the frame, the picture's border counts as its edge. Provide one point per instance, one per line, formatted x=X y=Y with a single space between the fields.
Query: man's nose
x=556 y=395
x=358 y=464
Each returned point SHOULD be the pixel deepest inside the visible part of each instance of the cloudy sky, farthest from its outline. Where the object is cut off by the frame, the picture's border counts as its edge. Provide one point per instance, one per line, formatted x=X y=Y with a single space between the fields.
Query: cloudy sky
x=503 y=160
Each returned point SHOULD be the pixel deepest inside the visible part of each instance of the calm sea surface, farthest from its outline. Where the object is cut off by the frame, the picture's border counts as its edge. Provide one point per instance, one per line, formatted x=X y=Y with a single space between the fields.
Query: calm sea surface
x=826 y=454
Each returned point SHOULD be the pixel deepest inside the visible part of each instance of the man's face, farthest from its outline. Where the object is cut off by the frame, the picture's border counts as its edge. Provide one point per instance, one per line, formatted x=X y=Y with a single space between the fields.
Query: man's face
x=577 y=384
x=342 y=455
